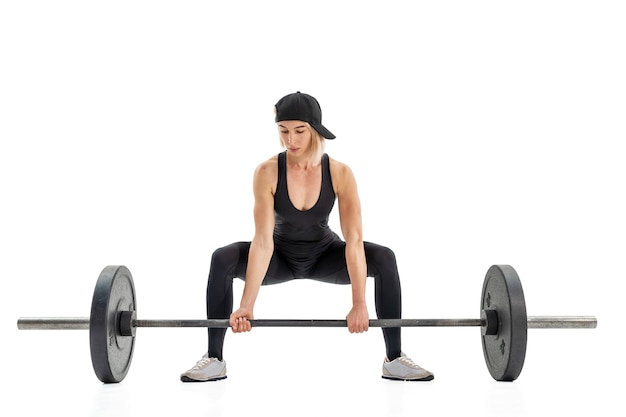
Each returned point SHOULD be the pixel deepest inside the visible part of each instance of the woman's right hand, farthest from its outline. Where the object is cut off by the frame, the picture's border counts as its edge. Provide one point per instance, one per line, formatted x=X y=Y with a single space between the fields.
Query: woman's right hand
x=239 y=320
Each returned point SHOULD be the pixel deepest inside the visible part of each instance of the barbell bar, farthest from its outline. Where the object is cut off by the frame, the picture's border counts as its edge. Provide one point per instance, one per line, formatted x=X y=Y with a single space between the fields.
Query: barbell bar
x=113 y=323
x=82 y=323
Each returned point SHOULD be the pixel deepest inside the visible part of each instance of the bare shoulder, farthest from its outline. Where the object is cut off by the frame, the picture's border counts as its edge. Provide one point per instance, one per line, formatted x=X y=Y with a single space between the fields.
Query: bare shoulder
x=339 y=168
x=267 y=166
x=341 y=174
x=266 y=174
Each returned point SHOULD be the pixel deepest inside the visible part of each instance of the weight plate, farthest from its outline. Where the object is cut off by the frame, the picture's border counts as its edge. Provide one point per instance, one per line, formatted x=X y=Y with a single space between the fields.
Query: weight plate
x=505 y=351
x=111 y=353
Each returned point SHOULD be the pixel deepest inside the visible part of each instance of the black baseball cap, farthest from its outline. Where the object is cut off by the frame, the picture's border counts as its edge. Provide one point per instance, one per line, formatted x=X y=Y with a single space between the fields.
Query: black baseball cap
x=300 y=106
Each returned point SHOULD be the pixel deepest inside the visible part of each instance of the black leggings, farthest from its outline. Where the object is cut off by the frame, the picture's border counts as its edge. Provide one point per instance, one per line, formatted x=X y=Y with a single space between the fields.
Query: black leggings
x=231 y=261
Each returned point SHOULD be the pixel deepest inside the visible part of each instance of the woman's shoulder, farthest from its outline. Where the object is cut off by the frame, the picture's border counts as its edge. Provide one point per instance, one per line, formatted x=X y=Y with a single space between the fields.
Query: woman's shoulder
x=338 y=167
x=341 y=174
x=267 y=168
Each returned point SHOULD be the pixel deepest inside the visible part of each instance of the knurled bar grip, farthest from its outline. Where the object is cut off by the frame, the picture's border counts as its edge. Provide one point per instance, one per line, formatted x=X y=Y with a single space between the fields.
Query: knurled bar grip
x=534 y=322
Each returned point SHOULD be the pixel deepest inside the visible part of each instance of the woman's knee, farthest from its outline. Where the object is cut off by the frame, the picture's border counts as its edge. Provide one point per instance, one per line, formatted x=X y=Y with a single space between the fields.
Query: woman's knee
x=381 y=261
x=226 y=258
x=379 y=254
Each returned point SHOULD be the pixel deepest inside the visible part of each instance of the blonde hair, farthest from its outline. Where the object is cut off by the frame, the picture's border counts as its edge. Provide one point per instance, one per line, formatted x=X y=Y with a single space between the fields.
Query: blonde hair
x=318 y=145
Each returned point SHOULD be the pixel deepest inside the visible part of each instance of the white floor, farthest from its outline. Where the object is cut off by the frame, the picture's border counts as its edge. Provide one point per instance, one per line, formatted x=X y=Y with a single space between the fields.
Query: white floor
x=314 y=372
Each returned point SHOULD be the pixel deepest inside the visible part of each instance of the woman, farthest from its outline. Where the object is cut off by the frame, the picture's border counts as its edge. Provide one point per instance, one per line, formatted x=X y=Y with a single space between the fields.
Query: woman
x=294 y=194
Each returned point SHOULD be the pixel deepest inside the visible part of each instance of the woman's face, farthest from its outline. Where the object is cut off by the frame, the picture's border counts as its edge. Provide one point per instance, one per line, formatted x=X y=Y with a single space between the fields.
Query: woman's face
x=296 y=136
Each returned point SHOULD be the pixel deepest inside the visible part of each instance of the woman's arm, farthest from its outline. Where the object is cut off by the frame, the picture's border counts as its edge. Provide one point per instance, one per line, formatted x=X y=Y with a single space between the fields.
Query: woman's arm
x=262 y=246
x=351 y=228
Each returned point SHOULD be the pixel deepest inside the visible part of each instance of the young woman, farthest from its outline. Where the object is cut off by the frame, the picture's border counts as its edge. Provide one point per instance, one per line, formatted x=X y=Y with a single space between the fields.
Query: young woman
x=294 y=193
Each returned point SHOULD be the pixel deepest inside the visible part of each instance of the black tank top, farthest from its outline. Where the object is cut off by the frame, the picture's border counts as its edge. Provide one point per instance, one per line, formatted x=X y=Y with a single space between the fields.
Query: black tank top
x=300 y=236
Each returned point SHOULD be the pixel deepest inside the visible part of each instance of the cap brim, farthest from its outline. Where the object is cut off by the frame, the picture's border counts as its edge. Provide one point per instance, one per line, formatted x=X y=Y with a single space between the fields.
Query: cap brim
x=323 y=131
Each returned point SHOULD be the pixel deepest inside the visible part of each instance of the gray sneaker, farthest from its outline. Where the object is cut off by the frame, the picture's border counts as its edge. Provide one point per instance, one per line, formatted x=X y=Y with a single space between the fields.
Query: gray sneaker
x=404 y=369
x=207 y=369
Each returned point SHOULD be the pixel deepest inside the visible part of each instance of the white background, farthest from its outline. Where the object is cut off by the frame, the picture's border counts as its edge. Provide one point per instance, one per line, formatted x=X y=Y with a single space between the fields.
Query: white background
x=480 y=132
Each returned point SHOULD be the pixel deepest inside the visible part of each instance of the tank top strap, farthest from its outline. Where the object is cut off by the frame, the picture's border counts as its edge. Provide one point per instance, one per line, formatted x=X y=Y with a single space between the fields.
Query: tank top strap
x=282 y=172
x=326 y=178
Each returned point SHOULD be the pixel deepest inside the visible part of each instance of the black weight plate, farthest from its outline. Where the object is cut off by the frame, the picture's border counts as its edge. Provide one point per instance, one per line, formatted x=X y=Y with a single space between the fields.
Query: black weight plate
x=111 y=353
x=505 y=351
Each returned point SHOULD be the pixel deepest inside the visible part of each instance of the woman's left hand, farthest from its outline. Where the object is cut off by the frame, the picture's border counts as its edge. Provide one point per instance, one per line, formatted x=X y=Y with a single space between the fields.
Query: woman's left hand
x=358 y=319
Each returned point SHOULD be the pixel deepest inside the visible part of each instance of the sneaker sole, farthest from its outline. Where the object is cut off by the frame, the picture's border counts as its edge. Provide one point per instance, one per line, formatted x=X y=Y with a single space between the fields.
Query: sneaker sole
x=393 y=378
x=187 y=379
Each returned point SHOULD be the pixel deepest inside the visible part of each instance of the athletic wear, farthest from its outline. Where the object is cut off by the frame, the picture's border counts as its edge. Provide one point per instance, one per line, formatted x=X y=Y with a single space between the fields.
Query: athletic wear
x=304 y=247
x=404 y=369
x=207 y=369
x=301 y=237
x=300 y=106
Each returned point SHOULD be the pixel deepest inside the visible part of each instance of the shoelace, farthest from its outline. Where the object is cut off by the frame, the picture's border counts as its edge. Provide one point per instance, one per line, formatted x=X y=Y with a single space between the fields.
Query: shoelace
x=407 y=361
x=202 y=363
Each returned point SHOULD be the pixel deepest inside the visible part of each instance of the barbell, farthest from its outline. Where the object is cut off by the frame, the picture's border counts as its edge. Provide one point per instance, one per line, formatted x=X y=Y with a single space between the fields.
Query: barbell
x=113 y=323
